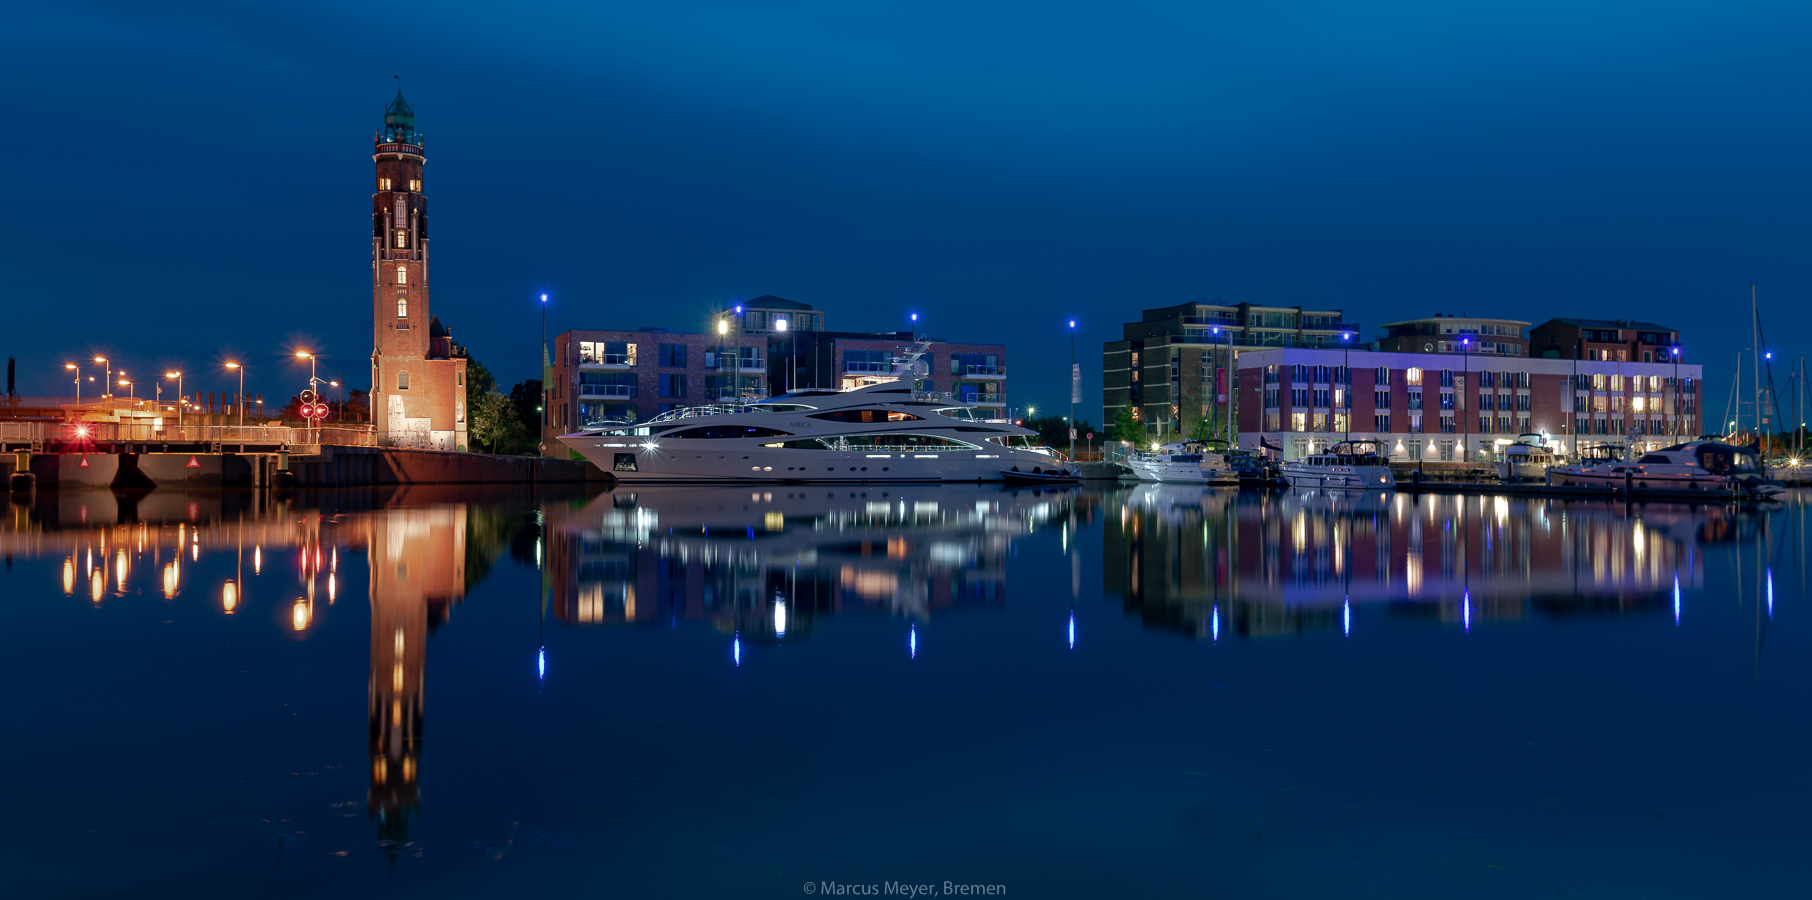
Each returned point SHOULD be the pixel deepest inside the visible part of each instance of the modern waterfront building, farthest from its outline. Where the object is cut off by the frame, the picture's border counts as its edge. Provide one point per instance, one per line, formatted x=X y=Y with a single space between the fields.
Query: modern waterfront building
x=1455 y=334
x=841 y=360
x=1170 y=366
x=418 y=379
x=1458 y=408
x=1603 y=339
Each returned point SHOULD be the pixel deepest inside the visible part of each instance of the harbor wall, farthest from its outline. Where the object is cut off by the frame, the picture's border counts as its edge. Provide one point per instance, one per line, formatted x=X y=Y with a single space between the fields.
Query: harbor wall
x=332 y=467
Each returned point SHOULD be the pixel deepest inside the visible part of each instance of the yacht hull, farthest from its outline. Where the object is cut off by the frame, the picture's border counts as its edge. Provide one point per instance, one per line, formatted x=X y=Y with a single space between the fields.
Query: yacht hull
x=1350 y=478
x=676 y=464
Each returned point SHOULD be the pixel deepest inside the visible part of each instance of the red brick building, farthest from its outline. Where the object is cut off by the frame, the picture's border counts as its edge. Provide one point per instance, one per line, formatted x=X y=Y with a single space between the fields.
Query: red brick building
x=418 y=382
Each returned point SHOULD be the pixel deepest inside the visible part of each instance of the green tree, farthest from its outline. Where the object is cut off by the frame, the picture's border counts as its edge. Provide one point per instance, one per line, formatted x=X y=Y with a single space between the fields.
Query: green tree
x=1127 y=428
x=493 y=418
x=1203 y=430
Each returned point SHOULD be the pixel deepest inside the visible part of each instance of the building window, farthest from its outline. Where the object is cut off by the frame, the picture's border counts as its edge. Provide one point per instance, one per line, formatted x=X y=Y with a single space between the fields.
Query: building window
x=402 y=307
x=1412 y=376
x=1381 y=399
x=459 y=378
x=415 y=185
x=1415 y=424
x=673 y=385
x=1446 y=378
x=1381 y=376
x=1446 y=424
x=402 y=238
x=1320 y=422
x=1381 y=423
x=383 y=184
x=1299 y=421
x=1415 y=399
x=1273 y=421
x=402 y=274
x=402 y=380
x=1321 y=399
x=673 y=356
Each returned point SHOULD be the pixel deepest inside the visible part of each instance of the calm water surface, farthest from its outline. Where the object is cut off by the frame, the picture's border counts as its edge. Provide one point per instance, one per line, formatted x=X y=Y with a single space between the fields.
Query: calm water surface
x=684 y=692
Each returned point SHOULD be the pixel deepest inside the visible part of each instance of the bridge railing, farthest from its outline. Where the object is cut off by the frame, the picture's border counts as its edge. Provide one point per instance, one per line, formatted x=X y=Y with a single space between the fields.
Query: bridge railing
x=147 y=432
x=337 y=437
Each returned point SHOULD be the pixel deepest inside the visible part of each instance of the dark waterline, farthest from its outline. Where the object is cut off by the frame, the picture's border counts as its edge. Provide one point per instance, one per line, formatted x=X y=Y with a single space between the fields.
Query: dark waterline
x=677 y=691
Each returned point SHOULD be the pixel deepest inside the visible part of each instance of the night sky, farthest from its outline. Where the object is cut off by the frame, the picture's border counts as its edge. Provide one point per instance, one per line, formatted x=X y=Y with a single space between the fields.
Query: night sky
x=186 y=183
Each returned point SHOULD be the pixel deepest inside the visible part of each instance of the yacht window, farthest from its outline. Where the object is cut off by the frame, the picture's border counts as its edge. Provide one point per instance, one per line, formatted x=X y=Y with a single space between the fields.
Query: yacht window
x=1014 y=441
x=1654 y=458
x=782 y=407
x=801 y=444
x=730 y=431
x=897 y=442
x=866 y=415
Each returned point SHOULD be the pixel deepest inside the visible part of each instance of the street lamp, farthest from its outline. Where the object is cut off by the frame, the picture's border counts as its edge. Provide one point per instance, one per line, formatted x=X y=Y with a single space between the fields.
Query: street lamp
x=736 y=379
x=1346 y=395
x=342 y=413
x=78 y=381
x=1075 y=377
x=129 y=386
x=1460 y=396
x=179 y=397
x=1679 y=399
x=109 y=364
x=312 y=380
x=545 y=369
x=234 y=365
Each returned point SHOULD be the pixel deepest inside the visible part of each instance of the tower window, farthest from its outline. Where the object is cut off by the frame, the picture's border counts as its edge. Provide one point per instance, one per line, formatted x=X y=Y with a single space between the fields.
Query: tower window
x=402 y=380
x=415 y=185
x=402 y=274
x=402 y=307
x=383 y=184
x=402 y=238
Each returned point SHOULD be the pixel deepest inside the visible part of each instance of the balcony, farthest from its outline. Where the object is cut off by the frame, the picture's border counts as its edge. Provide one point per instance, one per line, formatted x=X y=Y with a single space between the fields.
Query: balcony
x=852 y=366
x=984 y=371
x=607 y=390
x=608 y=361
x=718 y=363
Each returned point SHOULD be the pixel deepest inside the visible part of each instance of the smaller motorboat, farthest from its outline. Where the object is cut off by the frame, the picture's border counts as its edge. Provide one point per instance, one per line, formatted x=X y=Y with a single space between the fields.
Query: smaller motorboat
x=1528 y=458
x=1187 y=462
x=1041 y=475
x=1349 y=465
x=1693 y=466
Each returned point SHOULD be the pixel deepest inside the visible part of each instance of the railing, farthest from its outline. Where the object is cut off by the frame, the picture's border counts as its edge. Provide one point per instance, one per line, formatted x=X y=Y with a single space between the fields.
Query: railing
x=607 y=390
x=148 y=432
x=608 y=359
x=338 y=437
x=851 y=366
x=985 y=370
x=729 y=362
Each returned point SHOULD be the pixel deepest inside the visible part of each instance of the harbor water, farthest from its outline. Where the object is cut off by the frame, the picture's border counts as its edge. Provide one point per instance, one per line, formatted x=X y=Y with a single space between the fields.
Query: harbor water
x=785 y=691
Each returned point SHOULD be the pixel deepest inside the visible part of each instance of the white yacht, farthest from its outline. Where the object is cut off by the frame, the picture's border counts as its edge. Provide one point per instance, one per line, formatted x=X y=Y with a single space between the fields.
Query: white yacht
x=1190 y=462
x=1350 y=465
x=1527 y=458
x=1697 y=465
x=880 y=432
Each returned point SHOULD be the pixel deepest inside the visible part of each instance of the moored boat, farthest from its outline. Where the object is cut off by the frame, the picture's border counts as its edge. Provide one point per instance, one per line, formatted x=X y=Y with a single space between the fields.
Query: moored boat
x=1348 y=465
x=1696 y=465
x=1188 y=462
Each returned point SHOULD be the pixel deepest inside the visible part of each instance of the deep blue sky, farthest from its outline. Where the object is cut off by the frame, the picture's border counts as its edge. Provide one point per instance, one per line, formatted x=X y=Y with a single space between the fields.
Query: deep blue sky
x=187 y=181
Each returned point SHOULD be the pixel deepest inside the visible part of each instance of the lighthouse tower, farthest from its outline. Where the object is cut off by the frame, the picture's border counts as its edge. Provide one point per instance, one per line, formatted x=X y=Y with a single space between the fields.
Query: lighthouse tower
x=418 y=377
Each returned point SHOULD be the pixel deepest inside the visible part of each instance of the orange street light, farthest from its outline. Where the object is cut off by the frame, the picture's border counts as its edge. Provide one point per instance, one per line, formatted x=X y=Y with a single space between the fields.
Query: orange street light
x=180 y=400
x=234 y=365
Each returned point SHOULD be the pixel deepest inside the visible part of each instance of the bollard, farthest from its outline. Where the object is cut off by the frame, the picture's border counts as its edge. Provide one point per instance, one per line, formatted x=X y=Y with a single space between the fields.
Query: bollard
x=22 y=482
x=1629 y=479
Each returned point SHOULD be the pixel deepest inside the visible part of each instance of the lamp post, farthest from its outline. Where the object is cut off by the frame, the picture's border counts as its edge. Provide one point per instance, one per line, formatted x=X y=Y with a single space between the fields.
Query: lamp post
x=1679 y=398
x=234 y=365
x=129 y=386
x=1460 y=396
x=312 y=380
x=179 y=397
x=78 y=381
x=1073 y=385
x=109 y=364
x=736 y=379
x=1346 y=395
x=545 y=368
x=342 y=396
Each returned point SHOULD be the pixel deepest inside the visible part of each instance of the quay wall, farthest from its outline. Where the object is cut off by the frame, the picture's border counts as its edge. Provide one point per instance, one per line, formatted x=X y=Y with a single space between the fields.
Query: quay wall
x=333 y=467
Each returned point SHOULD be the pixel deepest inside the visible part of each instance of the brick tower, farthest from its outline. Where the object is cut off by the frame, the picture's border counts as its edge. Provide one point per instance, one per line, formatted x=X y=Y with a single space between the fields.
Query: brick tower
x=418 y=379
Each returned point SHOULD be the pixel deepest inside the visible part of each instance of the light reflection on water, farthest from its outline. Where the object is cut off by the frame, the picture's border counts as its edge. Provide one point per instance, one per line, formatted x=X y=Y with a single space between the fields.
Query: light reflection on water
x=604 y=576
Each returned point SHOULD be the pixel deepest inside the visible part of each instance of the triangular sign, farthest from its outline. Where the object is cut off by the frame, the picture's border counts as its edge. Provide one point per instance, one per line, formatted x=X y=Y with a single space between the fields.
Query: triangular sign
x=194 y=463
x=84 y=463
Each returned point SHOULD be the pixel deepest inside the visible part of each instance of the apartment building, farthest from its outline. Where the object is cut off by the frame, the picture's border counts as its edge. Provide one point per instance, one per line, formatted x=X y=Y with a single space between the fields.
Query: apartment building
x=1459 y=408
x=1171 y=367
x=1455 y=334
x=972 y=373
x=1604 y=339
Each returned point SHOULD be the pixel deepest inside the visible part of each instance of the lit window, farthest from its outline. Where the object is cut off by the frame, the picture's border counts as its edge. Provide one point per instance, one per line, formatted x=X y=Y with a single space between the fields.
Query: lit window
x=402 y=307
x=459 y=378
x=402 y=274
x=402 y=380
x=383 y=184
x=402 y=238
x=1412 y=376
x=415 y=185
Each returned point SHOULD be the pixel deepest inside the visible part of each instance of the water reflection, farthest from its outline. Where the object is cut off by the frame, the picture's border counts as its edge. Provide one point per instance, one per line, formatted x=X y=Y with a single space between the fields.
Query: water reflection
x=769 y=564
x=1181 y=557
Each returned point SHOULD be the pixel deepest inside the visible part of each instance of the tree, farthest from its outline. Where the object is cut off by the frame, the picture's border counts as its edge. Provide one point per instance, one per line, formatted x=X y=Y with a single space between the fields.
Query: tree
x=1127 y=427
x=526 y=397
x=1203 y=430
x=493 y=418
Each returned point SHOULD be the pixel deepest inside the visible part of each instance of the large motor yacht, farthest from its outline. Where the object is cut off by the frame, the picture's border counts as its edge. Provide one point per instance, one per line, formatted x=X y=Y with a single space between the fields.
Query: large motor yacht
x=880 y=432
x=1696 y=465
x=1351 y=465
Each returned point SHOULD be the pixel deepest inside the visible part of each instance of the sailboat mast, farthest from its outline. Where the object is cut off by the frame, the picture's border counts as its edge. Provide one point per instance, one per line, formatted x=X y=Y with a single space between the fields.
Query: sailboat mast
x=1755 y=345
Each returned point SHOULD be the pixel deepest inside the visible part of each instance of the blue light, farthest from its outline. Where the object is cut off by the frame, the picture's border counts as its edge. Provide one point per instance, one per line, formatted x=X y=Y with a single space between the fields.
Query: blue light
x=1072 y=629
x=915 y=317
x=541 y=664
x=912 y=640
x=739 y=309
x=1072 y=323
x=1214 y=616
x=1346 y=615
x=1770 y=592
x=1466 y=609
x=543 y=298
x=1217 y=329
x=736 y=648
x=1676 y=599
